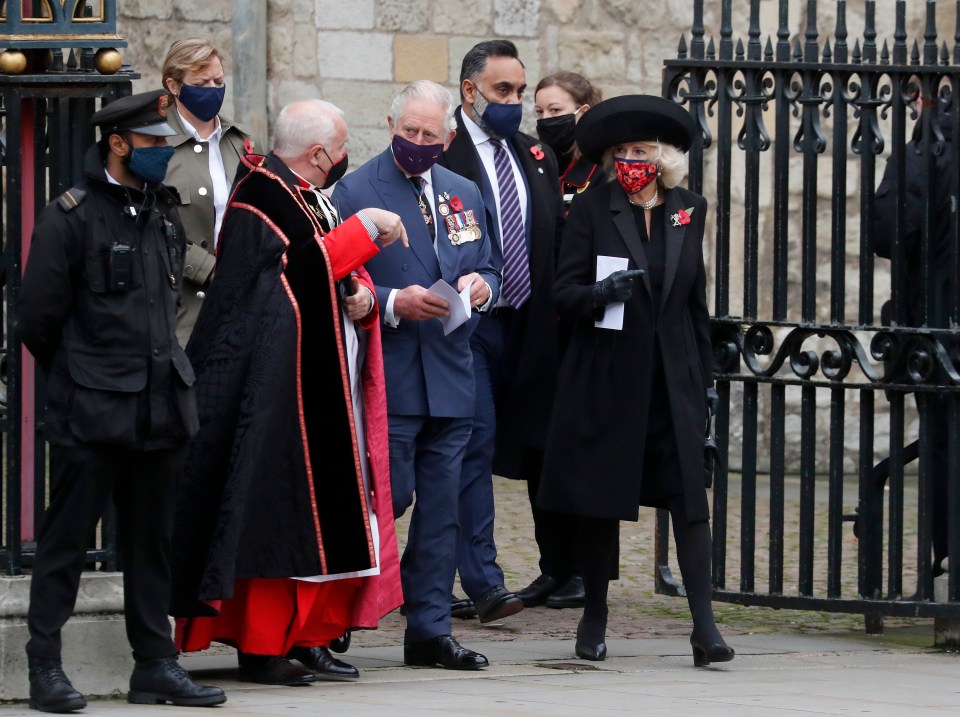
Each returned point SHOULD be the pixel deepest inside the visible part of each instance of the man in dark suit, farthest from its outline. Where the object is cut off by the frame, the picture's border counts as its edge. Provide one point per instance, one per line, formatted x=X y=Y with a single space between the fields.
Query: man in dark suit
x=430 y=391
x=515 y=344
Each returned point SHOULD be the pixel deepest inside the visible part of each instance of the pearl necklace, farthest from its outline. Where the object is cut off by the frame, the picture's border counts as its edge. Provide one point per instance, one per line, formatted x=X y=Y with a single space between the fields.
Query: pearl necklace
x=650 y=204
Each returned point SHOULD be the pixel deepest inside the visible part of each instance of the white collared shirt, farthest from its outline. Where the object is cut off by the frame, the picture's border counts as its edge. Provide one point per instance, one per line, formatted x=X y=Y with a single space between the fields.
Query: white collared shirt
x=389 y=318
x=218 y=173
x=484 y=145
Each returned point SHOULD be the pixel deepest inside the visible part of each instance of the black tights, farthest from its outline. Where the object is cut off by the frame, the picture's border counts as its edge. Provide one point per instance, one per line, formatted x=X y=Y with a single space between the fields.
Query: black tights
x=598 y=546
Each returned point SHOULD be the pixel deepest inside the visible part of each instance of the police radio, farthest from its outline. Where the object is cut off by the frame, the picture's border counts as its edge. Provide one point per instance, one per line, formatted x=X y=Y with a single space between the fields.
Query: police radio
x=118 y=267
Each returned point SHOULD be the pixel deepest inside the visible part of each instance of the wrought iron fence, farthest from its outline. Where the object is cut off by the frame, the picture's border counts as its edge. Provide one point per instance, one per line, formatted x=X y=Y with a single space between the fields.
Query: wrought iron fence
x=46 y=101
x=797 y=329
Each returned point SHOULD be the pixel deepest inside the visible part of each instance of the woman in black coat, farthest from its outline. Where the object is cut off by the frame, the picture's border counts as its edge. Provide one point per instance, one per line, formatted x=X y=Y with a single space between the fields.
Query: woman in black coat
x=631 y=407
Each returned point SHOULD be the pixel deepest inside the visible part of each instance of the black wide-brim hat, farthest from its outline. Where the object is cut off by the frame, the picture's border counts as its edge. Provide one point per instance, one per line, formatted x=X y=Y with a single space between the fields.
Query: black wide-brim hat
x=634 y=118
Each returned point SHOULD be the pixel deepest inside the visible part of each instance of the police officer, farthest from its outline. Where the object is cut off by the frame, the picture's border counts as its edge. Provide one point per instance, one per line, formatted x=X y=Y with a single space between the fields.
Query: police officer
x=98 y=310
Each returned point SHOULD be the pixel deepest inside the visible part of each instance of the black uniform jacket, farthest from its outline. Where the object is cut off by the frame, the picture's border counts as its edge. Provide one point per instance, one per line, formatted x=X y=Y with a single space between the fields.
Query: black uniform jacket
x=98 y=310
x=272 y=486
x=594 y=458
x=531 y=359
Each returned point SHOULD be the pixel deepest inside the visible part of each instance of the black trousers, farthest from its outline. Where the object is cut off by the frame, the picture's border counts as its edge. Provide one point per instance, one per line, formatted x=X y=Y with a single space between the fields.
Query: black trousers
x=555 y=533
x=143 y=487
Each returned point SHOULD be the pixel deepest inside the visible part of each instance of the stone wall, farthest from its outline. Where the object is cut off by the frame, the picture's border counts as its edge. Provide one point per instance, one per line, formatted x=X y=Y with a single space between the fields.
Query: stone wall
x=359 y=53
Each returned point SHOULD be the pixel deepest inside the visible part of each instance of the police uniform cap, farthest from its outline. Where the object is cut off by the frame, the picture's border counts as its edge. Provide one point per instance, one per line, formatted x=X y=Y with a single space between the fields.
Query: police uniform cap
x=634 y=118
x=144 y=113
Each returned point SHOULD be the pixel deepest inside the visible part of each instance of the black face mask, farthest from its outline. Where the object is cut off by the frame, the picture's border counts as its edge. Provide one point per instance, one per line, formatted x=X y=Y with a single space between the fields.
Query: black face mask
x=558 y=132
x=336 y=172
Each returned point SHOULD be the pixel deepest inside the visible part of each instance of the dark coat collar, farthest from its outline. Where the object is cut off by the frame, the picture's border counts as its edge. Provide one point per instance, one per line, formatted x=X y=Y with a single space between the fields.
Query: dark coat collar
x=623 y=219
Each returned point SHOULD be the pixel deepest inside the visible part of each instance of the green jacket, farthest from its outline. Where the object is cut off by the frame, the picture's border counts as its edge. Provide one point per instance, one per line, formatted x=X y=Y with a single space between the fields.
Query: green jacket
x=189 y=173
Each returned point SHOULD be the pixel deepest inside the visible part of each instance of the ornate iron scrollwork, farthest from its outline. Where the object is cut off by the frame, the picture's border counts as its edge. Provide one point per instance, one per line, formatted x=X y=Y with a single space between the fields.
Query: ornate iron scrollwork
x=897 y=358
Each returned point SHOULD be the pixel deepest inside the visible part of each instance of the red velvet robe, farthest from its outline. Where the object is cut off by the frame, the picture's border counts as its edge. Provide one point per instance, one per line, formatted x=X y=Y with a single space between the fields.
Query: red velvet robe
x=273 y=487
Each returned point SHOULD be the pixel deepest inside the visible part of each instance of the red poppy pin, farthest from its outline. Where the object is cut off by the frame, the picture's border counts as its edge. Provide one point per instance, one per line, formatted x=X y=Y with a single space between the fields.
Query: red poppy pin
x=537 y=151
x=247 y=146
x=682 y=217
x=455 y=204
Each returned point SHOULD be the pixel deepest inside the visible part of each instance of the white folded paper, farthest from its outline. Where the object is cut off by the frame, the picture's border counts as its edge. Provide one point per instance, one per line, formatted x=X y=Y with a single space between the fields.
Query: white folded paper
x=613 y=316
x=459 y=304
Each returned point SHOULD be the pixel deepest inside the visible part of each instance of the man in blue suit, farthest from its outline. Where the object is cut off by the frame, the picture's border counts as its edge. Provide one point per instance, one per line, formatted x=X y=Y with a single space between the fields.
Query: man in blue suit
x=429 y=375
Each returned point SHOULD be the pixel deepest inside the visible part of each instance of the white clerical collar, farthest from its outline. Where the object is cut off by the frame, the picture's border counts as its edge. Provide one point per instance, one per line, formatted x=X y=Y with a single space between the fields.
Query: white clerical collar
x=192 y=131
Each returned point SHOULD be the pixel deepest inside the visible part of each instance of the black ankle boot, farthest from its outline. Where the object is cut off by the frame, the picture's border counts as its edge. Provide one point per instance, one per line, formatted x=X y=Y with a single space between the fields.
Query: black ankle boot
x=50 y=690
x=591 y=634
x=164 y=680
x=710 y=650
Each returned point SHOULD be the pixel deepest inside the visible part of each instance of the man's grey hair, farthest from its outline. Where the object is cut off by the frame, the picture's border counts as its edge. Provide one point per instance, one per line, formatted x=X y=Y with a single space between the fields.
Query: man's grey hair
x=303 y=124
x=429 y=91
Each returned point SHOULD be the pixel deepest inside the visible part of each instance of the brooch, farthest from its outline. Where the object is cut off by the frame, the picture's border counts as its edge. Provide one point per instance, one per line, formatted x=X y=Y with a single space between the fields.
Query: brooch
x=682 y=217
x=247 y=145
x=537 y=151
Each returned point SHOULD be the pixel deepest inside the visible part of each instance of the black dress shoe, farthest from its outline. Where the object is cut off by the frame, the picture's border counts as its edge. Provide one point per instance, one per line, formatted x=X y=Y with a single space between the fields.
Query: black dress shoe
x=323 y=663
x=705 y=652
x=498 y=603
x=537 y=592
x=50 y=690
x=590 y=640
x=341 y=644
x=272 y=670
x=156 y=682
x=443 y=651
x=462 y=608
x=570 y=594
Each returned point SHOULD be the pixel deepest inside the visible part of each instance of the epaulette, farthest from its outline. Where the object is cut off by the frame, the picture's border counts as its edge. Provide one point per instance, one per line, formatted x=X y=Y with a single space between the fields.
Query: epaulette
x=71 y=199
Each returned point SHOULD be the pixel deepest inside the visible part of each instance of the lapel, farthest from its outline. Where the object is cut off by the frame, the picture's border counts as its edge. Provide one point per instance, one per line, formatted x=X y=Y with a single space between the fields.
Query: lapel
x=627 y=226
x=461 y=158
x=529 y=170
x=396 y=192
x=449 y=254
x=673 y=236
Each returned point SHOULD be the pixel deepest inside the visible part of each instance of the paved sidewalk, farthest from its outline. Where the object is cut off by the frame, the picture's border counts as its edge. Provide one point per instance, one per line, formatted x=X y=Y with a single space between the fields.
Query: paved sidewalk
x=773 y=675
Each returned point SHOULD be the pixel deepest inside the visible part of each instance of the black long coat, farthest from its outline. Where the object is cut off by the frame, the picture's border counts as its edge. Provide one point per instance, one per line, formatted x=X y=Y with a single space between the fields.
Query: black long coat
x=530 y=363
x=595 y=448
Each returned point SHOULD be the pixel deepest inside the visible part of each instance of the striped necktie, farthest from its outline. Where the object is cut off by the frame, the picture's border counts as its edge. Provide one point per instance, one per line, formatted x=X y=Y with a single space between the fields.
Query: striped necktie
x=516 y=264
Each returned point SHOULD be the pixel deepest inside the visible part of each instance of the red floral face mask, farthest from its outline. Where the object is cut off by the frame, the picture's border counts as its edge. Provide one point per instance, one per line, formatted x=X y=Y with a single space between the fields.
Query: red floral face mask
x=635 y=174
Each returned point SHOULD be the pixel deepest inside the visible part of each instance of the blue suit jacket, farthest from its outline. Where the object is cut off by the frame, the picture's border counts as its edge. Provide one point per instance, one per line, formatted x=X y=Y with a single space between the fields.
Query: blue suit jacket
x=427 y=373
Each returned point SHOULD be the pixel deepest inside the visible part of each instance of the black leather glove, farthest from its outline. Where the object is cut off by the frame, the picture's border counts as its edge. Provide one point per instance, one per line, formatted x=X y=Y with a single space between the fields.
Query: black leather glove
x=617 y=287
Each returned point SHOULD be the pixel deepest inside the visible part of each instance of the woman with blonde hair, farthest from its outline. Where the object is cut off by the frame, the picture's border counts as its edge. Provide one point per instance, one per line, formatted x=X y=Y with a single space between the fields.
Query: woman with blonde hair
x=628 y=427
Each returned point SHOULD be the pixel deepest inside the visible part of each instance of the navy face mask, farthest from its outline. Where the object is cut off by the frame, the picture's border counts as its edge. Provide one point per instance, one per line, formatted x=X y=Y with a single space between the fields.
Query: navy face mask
x=415 y=158
x=500 y=121
x=149 y=163
x=204 y=103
